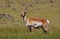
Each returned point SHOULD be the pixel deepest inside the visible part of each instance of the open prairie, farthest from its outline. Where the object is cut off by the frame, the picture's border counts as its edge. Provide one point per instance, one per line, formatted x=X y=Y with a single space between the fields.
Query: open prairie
x=13 y=27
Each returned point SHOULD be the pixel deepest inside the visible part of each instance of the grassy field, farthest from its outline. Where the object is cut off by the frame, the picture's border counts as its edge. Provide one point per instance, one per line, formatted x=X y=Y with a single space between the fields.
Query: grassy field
x=14 y=27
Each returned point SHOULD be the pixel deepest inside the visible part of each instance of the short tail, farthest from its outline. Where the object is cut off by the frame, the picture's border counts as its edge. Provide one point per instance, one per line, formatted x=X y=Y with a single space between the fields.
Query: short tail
x=48 y=21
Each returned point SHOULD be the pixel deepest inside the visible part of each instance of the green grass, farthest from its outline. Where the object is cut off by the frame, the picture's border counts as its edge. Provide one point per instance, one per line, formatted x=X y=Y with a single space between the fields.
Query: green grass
x=16 y=29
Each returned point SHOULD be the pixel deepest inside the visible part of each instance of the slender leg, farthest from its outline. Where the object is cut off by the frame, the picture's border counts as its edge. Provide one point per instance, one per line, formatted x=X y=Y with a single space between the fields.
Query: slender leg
x=31 y=29
x=44 y=29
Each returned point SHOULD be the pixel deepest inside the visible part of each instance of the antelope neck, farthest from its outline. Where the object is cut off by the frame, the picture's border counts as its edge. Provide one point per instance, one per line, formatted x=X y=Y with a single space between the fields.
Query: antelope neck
x=24 y=18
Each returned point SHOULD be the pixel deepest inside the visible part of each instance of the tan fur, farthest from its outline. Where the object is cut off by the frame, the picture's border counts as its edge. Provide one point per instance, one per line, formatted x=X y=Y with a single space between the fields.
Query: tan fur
x=43 y=20
x=30 y=20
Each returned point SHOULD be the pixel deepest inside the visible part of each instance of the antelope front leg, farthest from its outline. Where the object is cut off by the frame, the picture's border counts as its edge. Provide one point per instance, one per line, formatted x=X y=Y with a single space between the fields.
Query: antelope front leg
x=30 y=29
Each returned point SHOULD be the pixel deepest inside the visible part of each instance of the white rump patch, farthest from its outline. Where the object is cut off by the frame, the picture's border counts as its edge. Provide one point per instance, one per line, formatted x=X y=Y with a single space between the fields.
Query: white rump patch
x=48 y=21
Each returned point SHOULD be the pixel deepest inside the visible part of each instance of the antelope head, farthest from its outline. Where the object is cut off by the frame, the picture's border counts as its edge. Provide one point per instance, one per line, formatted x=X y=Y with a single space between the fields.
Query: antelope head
x=23 y=13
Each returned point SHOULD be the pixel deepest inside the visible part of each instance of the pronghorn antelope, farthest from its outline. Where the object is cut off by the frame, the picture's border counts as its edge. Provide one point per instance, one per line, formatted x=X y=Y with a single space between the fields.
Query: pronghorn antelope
x=35 y=22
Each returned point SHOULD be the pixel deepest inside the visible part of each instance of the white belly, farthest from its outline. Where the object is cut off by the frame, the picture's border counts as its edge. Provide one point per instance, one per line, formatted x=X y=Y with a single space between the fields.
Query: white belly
x=35 y=24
